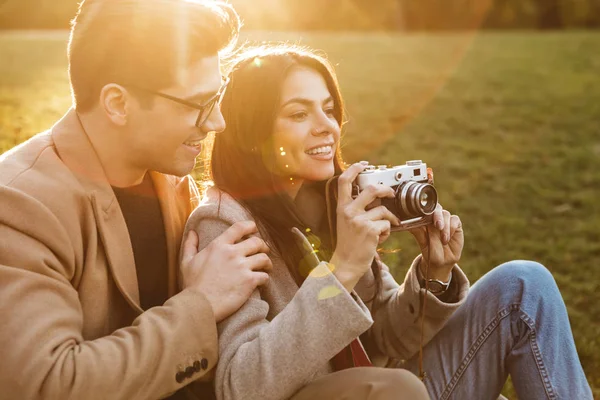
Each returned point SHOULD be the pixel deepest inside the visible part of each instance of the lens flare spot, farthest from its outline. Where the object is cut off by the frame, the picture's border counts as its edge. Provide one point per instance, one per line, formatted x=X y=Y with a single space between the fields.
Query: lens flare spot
x=329 y=292
x=287 y=166
x=322 y=270
x=257 y=62
x=283 y=153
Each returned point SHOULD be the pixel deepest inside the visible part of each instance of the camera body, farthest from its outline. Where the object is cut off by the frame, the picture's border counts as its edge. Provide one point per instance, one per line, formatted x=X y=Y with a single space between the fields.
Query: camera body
x=415 y=196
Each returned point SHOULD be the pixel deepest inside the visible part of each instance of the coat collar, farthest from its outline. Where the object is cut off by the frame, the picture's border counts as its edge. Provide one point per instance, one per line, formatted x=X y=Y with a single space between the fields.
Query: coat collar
x=78 y=154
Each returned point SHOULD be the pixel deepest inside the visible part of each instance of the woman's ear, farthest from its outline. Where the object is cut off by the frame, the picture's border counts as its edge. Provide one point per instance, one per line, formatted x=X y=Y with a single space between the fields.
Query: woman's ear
x=114 y=101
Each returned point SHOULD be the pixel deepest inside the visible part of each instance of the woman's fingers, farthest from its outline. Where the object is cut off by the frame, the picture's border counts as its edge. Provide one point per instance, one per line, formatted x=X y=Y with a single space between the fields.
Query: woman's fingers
x=345 y=182
x=384 y=236
x=420 y=234
x=455 y=225
x=381 y=227
x=438 y=217
x=445 y=233
x=382 y=212
x=370 y=194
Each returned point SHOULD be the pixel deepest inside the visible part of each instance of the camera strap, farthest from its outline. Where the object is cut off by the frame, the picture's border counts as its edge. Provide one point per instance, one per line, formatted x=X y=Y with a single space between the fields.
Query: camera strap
x=331 y=197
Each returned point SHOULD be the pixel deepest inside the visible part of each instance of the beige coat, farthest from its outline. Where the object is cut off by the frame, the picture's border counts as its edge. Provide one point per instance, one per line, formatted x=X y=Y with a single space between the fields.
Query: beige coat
x=285 y=335
x=71 y=323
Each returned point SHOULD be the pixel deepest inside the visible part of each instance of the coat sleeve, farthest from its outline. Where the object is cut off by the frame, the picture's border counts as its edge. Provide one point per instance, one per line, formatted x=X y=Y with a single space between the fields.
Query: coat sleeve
x=44 y=354
x=396 y=330
x=272 y=359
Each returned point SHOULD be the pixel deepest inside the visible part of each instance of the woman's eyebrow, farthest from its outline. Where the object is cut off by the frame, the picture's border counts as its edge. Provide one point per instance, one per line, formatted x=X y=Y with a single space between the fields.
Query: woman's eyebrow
x=328 y=100
x=304 y=101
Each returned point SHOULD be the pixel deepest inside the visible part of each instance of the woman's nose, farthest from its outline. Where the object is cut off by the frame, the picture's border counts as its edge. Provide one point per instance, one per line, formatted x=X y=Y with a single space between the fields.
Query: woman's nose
x=325 y=125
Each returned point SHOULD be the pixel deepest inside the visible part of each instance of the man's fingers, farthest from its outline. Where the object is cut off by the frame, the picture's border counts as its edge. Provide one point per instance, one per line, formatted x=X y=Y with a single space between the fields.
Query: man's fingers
x=259 y=262
x=381 y=212
x=190 y=247
x=345 y=182
x=251 y=246
x=237 y=231
x=260 y=278
x=370 y=194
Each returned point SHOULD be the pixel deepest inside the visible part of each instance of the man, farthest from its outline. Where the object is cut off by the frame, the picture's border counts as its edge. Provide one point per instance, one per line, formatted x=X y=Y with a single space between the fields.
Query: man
x=94 y=302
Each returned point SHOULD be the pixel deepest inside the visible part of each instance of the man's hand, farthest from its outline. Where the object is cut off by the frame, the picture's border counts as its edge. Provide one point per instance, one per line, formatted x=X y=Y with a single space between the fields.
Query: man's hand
x=446 y=239
x=228 y=270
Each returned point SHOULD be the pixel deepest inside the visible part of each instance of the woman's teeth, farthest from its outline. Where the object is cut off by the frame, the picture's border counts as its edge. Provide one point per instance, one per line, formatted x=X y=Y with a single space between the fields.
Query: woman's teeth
x=195 y=143
x=319 y=150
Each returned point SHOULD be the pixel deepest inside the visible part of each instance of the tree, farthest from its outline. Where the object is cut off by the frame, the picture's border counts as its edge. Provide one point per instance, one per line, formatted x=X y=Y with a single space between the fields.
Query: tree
x=549 y=16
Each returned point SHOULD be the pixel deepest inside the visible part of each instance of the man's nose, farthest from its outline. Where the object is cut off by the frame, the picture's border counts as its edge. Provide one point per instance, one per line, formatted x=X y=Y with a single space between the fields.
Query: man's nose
x=215 y=121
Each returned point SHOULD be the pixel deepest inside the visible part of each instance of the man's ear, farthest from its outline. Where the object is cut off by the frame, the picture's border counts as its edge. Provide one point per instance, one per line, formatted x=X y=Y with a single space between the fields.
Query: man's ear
x=115 y=101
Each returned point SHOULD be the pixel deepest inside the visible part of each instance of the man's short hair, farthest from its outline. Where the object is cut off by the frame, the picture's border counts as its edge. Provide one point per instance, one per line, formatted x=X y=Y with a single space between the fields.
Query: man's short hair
x=143 y=42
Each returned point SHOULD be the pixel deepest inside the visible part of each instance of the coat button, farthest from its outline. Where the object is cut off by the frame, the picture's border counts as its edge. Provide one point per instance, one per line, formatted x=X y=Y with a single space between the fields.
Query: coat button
x=180 y=376
x=189 y=371
x=197 y=366
x=204 y=363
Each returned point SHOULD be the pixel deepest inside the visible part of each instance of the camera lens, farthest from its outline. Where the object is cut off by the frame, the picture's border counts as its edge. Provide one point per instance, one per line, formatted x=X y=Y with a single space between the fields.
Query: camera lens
x=423 y=199
x=415 y=199
x=427 y=198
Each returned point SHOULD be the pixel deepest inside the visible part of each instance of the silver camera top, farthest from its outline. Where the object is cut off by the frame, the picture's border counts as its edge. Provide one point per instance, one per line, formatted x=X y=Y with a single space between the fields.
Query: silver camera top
x=414 y=170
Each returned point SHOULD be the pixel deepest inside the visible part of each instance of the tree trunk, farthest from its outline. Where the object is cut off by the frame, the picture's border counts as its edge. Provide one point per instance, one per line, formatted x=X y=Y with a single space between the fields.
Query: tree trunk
x=549 y=14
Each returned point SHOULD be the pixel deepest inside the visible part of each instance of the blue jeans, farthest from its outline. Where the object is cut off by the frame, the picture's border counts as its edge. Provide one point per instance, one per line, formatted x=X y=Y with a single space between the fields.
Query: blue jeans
x=515 y=322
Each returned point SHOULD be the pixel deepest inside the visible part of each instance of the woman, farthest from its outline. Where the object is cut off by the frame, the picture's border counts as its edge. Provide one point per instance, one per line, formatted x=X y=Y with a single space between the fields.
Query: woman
x=298 y=335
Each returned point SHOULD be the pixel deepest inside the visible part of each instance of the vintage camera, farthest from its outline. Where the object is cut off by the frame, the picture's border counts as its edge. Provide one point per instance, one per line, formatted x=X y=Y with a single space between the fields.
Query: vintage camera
x=415 y=198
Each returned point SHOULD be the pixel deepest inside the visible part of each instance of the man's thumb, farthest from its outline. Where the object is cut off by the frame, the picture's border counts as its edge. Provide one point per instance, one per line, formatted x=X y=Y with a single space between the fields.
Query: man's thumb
x=190 y=247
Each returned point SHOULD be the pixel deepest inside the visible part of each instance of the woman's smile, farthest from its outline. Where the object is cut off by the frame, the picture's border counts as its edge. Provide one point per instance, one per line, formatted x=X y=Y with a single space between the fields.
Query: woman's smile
x=322 y=152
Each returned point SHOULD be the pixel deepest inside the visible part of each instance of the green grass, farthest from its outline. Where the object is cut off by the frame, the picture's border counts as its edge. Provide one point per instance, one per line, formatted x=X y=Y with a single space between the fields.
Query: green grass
x=510 y=122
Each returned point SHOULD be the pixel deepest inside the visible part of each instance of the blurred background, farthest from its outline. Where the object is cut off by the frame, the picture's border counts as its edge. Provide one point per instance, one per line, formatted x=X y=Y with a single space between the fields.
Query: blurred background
x=500 y=97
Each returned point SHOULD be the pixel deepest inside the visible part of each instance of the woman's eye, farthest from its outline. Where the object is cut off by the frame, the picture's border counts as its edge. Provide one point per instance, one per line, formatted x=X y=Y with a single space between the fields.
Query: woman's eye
x=330 y=112
x=299 y=116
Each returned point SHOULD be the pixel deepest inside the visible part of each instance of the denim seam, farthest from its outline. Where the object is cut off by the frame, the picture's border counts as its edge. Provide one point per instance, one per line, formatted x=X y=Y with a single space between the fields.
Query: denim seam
x=551 y=393
x=476 y=346
x=537 y=354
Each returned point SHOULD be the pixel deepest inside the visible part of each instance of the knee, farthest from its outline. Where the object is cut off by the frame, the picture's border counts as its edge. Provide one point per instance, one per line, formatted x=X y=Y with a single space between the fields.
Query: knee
x=525 y=276
x=528 y=272
x=400 y=384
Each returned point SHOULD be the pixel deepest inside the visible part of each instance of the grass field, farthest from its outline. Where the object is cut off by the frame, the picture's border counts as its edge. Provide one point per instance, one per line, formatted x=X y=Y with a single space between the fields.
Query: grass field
x=510 y=122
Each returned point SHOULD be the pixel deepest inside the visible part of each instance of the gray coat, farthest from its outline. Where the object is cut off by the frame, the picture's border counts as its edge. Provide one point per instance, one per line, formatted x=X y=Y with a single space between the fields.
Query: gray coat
x=284 y=336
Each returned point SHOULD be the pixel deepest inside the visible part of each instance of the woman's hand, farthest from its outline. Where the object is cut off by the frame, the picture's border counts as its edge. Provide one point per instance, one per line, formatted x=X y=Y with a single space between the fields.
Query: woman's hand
x=359 y=230
x=446 y=239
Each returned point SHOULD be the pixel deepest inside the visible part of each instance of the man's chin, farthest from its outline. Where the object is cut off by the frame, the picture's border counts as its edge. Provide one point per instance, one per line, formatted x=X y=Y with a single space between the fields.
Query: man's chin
x=179 y=171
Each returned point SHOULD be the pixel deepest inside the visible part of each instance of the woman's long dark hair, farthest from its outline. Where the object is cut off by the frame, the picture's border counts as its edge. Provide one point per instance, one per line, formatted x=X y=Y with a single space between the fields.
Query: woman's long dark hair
x=236 y=164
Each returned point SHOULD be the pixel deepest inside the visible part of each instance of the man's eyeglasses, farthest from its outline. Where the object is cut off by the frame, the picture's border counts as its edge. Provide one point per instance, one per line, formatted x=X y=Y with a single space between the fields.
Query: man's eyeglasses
x=204 y=109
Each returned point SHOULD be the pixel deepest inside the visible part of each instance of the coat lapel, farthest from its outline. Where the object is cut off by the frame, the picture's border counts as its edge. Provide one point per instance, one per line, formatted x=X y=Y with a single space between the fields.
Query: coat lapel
x=78 y=154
